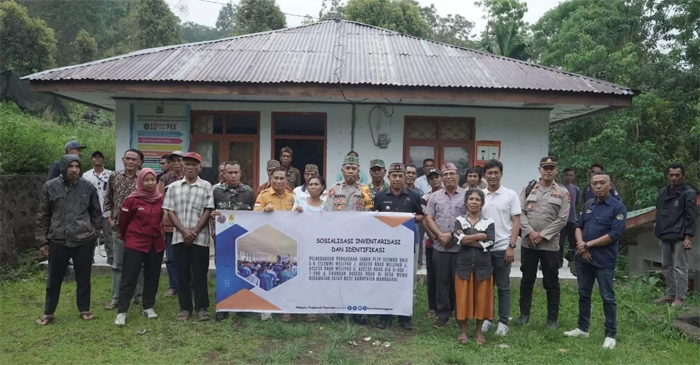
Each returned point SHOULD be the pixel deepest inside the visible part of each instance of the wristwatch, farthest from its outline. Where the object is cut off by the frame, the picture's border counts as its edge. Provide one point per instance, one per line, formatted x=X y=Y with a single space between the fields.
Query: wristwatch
x=585 y=245
x=512 y=245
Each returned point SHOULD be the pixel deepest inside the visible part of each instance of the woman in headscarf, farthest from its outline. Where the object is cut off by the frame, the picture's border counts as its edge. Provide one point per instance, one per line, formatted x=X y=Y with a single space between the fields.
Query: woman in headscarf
x=474 y=273
x=140 y=222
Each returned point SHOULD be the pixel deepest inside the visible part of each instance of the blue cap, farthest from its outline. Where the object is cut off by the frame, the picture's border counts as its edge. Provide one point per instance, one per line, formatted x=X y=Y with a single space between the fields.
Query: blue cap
x=74 y=145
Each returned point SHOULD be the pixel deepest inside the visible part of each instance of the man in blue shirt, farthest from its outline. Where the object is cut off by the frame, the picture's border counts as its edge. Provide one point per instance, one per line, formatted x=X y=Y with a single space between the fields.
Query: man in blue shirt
x=598 y=233
x=588 y=194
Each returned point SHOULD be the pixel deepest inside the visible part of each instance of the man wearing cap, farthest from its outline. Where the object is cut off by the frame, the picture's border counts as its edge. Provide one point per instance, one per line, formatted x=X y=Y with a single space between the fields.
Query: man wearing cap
x=545 y=211
x=377 y=170
x=397 y=198
x=362 y=179
x=188 y=203
x=435 y=182
x=98 y=176
x=176 y=173
x=119 y=186
x=444 y=207
x=72 y=148
x=271 y=166
x=292 y=173
x=300 y=192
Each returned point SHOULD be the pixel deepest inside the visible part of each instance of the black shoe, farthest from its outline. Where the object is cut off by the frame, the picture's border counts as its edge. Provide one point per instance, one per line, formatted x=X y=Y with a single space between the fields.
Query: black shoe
x=440 y=322
x=220 y=316
x=382 y=324
x=338 y=317
x=359 y=319
x=110 y=262
x=406 y=325
x=523 y=319
x=552 y=324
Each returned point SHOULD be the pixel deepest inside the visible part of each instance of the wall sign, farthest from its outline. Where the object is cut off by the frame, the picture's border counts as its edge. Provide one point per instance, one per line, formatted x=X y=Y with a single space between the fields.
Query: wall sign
x=487 y=150
x=158 y=129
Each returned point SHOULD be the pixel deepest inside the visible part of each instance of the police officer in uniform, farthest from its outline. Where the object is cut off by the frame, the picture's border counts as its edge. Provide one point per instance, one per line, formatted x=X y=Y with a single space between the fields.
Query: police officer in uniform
x=545 y=213
x=397 y=198
x=346 y=196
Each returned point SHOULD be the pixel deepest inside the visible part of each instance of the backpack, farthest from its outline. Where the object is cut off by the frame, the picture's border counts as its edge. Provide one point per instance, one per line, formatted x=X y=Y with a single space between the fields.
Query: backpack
x=529 y=187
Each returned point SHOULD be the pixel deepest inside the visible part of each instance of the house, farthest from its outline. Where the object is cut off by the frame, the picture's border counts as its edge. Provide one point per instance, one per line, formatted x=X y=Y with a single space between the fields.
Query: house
x=330 y=87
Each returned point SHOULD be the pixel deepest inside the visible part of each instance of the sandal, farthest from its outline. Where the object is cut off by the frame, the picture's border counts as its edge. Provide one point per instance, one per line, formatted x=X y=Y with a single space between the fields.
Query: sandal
x=204 y=316
x=183 y=316
x=86 y=316
x=461 y=339
x=45 y=319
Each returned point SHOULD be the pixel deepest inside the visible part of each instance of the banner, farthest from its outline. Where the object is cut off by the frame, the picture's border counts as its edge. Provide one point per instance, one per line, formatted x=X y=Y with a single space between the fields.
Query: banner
x=315 y=262
x=158 y=129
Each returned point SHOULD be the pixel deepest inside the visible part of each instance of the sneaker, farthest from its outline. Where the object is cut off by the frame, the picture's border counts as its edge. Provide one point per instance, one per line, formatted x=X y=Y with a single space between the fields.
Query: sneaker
x=150 y=313
x=609 y=343
x=121 y=319
x=576 y=333
x=552 y=324
x=523 y=319
x=486 y=326
x=440 y=322
x=502 y=329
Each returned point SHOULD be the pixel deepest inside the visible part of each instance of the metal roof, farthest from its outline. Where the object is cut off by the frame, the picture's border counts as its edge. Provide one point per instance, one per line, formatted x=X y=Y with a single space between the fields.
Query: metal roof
x=329 y=52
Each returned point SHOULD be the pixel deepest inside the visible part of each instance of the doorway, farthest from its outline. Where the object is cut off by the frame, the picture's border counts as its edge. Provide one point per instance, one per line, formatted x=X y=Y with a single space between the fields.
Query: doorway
x=305 y=134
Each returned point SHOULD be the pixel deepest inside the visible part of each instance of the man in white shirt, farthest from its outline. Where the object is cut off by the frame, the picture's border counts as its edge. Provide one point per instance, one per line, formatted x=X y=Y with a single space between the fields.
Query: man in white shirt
x=503 y=206
x=422 y=181
x=98 y=176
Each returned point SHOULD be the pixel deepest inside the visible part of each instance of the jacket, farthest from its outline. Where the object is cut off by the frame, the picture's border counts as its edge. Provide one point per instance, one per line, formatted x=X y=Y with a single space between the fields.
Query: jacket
x=69 y=213
x=140 y=225
x=676 y=213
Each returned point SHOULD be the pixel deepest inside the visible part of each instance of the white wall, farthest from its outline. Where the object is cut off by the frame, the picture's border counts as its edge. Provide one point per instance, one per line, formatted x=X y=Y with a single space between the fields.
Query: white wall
x=524 y=133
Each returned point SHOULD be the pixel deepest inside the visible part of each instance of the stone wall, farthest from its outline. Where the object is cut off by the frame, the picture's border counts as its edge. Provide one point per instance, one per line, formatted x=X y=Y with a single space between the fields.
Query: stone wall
x=19 y=201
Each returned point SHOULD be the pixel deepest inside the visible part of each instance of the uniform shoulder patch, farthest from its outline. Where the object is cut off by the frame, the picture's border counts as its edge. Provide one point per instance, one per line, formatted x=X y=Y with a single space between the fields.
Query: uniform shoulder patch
x=620 y=217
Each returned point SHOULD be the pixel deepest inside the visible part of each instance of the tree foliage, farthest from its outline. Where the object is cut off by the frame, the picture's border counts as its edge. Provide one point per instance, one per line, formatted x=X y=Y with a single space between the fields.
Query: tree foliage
x=253 y=16
x=156 y=25
x=226 y=22
x=84 y=47
x=451 y=29
x=193 y=32
x=399 y=15
x=28 y=44
x=506 y=31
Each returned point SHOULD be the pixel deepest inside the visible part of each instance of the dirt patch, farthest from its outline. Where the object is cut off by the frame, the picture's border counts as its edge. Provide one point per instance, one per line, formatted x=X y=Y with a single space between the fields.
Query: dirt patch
x=211 y=356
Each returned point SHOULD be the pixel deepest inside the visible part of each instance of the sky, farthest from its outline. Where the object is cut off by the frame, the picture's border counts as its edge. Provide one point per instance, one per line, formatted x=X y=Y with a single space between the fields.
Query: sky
x=205 y=11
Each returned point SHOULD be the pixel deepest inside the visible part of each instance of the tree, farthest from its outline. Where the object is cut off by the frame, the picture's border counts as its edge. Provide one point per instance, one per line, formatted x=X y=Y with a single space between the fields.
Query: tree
x=506 y=42
x=452 y=29
x=253 y=16
x=28 y=44
x=225 y=22
x=399 y=15
x=331 y=9
x=155 y=25
x=506 y=31
x=84 y=47
x=193 y=32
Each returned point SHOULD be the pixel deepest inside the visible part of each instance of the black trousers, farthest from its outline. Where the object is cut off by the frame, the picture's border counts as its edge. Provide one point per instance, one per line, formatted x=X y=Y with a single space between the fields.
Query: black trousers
x=192 y=264
x=387 y=318
x=59 y=256
x=445 y=268
x=430 y=269
x=134 y=260
x=568 y=233
x=550 y=272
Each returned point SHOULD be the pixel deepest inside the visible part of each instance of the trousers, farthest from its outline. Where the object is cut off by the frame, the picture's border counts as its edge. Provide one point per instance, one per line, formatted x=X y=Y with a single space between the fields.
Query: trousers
x=674 y=260
x=59 y=256
x=530 y=260
x=170 y=261
x=430 y=273
x=136 y=262
x=445 y=264
x=192 y=263
x=118 y=264
x=501 y=277
x=587 y=275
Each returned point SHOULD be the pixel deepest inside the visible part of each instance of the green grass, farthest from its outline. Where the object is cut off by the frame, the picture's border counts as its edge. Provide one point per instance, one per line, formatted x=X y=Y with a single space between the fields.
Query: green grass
x=245 y=339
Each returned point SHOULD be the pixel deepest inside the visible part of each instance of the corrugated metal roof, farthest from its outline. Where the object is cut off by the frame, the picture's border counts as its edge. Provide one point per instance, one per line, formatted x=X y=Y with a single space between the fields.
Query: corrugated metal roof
x=326 y=52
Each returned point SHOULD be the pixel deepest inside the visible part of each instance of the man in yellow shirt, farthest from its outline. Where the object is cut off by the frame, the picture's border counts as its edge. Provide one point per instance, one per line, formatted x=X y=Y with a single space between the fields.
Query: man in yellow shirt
x=275 y=197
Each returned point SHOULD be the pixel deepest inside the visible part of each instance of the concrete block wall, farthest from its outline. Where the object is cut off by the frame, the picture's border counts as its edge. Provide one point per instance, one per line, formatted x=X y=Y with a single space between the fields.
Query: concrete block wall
x=19 y=201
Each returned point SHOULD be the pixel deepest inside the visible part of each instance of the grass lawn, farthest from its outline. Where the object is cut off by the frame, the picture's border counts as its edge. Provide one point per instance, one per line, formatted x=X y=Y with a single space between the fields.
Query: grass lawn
x=248 y=340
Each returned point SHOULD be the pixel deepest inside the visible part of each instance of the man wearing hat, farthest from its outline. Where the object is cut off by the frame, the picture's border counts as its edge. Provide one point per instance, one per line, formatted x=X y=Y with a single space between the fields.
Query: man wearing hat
x=189 y=203
x=72 y=148
x=545 y=211
x=397 y=198
x=300 y=192
x=377 y=170
x=271 y=166
x=98 y=176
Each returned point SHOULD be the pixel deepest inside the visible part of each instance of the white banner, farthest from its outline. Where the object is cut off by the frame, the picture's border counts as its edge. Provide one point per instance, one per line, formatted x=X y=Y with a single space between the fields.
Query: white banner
x=320 y=262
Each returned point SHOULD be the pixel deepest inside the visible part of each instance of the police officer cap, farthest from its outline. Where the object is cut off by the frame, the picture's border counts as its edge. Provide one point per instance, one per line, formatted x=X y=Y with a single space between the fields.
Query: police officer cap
x=397 y=167
x=549 y=161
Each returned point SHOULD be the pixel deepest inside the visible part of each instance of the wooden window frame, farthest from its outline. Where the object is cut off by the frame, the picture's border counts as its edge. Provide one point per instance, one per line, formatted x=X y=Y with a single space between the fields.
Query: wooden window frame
x=324 y=138
x=225 y=139
x=438 y=143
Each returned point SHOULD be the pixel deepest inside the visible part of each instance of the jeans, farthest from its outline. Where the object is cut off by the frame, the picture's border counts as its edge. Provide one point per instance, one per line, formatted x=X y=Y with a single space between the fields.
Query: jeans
x=587 y=275
x=550 y=272
x=59 y=256
x=192 y=263
x=136 y=262
x=430 y=269
x=117 y=265
x=501 y=277
x=675 y=268
x=445 y=264
x=170 y=261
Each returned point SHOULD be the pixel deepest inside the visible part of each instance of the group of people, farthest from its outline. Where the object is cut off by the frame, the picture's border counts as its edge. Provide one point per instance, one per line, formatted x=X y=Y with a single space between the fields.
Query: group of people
x=470 y=234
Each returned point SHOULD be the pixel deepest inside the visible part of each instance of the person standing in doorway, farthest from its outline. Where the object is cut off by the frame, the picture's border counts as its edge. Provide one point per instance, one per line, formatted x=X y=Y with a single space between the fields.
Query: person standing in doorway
x=377 y=171
x=230 y=195
x=293 y=174
x=398 y=198
x=545 y=212
x=120 y=185
x=68 y=221
x=176 y=173
x=569 y=231
x=598 y=232
x=503 y=206
x=422 y=181
x=164 y=166
x=676 y=215
x=588 y=193
x=72 y=148
x=435 y=184
x=301 y=192
x=444 y=207
x=141 y=220
x=98 y=176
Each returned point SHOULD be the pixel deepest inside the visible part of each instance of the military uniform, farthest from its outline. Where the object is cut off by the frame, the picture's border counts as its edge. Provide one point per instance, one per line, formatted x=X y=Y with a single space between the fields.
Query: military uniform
x=293 y=177
x=226 y=197
x=368 y=193
x=546 y=211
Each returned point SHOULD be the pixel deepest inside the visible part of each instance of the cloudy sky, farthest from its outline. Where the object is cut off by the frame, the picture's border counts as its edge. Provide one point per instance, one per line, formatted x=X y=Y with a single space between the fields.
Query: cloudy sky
x=205 y=11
